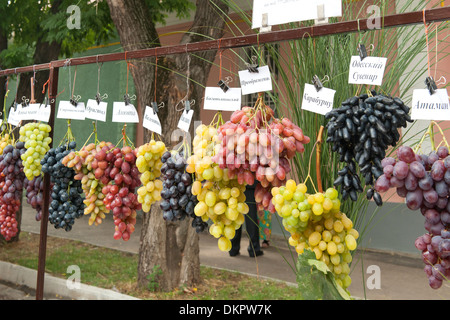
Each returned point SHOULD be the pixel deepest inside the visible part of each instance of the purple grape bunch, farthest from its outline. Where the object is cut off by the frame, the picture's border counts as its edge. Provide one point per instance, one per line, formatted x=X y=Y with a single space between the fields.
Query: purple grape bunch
x=424 y=182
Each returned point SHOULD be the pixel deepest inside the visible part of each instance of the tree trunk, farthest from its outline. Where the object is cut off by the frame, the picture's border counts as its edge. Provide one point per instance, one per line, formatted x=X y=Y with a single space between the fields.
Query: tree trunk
x=169 y=251
x=3 y=46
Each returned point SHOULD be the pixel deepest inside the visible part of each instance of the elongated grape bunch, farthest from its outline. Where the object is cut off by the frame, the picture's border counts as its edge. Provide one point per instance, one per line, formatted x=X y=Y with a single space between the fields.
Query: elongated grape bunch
x=149 y=165
x=177 y=199
x=92 y=165
x=424 y=182
x=11 y=186
x=34 y=192
x=256 y=146
x=37 y=143
x=67 y=201
x=205 y=171
x=316 y=223
x=120 y=196
x=360 y=131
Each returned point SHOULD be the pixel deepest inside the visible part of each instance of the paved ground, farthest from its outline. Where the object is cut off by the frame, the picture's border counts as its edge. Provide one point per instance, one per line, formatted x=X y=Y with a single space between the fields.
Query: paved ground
x=400 y=277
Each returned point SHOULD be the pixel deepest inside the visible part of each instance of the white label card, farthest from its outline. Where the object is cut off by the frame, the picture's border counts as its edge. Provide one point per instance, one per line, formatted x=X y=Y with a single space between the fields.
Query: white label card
x=216 y=99
x=430 y=107
x=320 y=102
x=13 y=118
x=151 y=121
x=44 y=113
x=124 y=113
x=185 y=120
x=29 y=112
x=285 y=11
x=252 y=82
x=96 y=111
x=369 y=71
x=66 y=110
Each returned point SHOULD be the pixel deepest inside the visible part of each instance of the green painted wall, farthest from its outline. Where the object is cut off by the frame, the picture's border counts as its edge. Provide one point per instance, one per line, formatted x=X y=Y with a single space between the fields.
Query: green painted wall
x=113 y=80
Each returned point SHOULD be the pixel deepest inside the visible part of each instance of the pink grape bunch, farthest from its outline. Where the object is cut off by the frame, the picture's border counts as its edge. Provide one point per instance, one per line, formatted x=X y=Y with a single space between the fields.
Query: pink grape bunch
x=424 y=182
x=255 y=146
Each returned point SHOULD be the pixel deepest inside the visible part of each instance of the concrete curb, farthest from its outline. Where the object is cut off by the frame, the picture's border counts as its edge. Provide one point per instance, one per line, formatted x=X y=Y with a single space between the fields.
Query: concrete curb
x=55 y=286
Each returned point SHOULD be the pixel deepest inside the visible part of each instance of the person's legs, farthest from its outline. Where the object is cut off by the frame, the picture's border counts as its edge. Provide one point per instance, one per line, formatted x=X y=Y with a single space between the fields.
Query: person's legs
x=252 y=227
x=236 y=243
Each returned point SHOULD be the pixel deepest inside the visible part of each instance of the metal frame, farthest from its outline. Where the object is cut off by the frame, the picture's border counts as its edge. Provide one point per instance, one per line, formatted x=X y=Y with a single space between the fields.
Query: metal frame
x=360 y=25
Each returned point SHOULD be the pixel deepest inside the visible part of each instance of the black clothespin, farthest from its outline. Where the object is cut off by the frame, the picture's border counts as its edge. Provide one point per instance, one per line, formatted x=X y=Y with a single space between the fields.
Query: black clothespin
x=253 y=67
x=25 y=103
x=99 y=98
x=74 y=100
x=362 y=51
x=317 y=83
x=127 y=99
x=154 y=106
x=223 y=84
x=187 y=105
x=431 y=85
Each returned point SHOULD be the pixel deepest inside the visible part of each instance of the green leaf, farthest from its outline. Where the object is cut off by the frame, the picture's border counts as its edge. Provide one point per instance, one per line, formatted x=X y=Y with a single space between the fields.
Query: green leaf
x=315 y=281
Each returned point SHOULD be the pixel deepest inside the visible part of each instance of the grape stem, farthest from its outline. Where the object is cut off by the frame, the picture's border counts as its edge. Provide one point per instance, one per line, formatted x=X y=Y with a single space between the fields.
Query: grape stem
x=318 y=152
x=430 y=133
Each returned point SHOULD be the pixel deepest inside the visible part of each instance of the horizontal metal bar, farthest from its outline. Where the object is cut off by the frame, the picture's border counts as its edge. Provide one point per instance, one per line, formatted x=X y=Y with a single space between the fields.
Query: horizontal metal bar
x=390 y=21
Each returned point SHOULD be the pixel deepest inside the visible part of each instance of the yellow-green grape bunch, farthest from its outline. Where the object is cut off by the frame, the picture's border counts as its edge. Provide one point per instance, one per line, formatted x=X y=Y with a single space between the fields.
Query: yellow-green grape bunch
x=222 y=202
x=315 y=222
x=205 y=146
x=92 y=165
x=149 y=165
x=4 y=141
x=37 y=143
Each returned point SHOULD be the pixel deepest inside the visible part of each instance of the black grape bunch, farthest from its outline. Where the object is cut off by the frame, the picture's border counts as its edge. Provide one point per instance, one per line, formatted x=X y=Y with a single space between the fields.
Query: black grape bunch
x=178 y=202
x=360 y=131
x=67 y=202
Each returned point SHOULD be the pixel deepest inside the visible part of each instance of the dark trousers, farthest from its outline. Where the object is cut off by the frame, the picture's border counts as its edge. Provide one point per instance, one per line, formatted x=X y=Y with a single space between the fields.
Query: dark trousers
x=251 y=226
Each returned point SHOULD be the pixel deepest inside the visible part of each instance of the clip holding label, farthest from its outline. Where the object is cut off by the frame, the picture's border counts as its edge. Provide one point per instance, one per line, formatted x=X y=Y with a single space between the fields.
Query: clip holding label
x=25 y=102
x=253 y=67
x=154 y=106
x=127 y=99
x=431 y=85
x=74 y=100
x=223 y=84
x=317 y=83
x=100 y=98
x=362 y=51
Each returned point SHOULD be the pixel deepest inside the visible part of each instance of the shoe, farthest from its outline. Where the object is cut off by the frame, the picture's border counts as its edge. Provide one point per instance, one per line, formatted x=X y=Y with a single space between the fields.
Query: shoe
x=234 y=254
x=257 y=254
x=265 y=244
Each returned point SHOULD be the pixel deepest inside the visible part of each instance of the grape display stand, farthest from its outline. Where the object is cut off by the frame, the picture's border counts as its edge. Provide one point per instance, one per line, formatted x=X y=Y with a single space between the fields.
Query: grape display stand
x=390 y=21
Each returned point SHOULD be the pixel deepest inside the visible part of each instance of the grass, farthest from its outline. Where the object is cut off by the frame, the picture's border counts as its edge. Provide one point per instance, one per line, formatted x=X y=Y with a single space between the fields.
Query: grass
x=113 y=269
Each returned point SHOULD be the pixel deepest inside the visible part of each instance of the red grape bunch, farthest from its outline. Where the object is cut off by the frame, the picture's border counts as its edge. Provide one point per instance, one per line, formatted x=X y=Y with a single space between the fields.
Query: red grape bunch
x=424 y=182
x=256 y=146
x=11 y=186
x=120 y=196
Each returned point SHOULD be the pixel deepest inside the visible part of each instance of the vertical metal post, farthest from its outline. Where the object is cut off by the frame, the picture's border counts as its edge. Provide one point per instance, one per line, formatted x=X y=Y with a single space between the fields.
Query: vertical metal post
x=53 y=88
